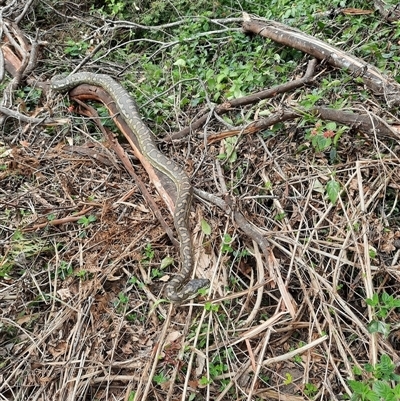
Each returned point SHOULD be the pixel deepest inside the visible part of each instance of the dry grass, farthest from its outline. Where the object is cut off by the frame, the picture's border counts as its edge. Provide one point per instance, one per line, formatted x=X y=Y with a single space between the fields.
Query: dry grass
x=80 y=312
x=83 y=262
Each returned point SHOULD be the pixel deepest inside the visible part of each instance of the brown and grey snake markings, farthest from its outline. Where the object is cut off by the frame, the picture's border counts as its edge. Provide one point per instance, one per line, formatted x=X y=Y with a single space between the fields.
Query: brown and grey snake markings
x=176 y=289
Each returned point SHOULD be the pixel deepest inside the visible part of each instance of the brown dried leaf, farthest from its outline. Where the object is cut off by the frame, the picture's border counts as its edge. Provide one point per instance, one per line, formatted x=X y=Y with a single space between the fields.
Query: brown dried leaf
x=59 y=349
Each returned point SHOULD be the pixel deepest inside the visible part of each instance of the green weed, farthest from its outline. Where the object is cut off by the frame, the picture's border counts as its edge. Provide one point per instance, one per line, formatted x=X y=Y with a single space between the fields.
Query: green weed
x=76 y=49
x=383 y=304
x=288 y=379
x=120 y=304
x=136 y=282
x=22 y=247
x=160 y=378
x=30 y=97
x=85 y=221
x=324 y=135
x=381 y=384
x=310 y=390
x=230 y=154
x=148 y=254
x=83 y=275
x=65 y=270
x=333 y=190
x=227 y=241
x=208 y=306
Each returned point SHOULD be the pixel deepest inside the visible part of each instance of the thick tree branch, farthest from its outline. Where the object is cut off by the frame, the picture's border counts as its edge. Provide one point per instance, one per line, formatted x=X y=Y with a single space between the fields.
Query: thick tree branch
x=296 y=39
x=369 y=123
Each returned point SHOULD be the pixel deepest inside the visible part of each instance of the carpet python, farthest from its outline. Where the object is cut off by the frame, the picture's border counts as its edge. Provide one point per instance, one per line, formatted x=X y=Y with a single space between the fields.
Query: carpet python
x=179 y=288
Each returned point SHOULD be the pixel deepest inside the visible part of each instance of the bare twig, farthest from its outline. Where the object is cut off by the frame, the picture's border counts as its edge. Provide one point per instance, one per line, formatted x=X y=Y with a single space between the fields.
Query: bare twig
x=31 y=120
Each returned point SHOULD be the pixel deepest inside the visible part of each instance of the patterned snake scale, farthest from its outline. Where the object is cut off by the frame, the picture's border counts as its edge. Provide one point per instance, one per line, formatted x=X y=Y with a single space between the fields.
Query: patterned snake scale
x=176 y=289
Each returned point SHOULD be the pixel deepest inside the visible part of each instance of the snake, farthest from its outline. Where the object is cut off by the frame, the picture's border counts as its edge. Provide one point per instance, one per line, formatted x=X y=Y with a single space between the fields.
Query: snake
x=179 y=287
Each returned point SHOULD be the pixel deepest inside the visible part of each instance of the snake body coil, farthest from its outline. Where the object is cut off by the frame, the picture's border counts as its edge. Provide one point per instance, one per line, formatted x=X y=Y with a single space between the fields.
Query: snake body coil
x=176 y=289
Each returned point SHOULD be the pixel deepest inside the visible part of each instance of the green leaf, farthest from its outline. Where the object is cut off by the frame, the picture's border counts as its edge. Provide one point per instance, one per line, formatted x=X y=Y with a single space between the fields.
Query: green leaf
x=369 y=368
x=363 y=391
x=289 y=379
x=160 y=378
x=230 y=145
x=331 y=126
x=385 y=368
x=333 y=190
x=371 y=396
x=373 y=301
x=204 y=381
x=386 y=361
x=180 y=62
x=321 y=143
x=233 y=157
x=51 y=217
x=167 y=261
x=310 y=389
x=211 y=307
x=386 y=298
x=318 y=187
x=383 y=389
x=396 y=391
x=358 y=387
x=379 y=327
x=357 y=371
x=372 y=253
x=205 y=227
x=83 y=220
x=226 y=244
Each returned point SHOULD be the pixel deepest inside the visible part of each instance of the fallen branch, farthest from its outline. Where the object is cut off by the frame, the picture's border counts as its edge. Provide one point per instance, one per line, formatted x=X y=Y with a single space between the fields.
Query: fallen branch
x=369 y=123
x=256 y=126
x=288 y=36
x=30 y=120
x=254 y=98
x=57 y=222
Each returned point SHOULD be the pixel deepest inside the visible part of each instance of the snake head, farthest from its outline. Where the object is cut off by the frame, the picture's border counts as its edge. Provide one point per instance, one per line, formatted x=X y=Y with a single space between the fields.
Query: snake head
x=189 y=291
